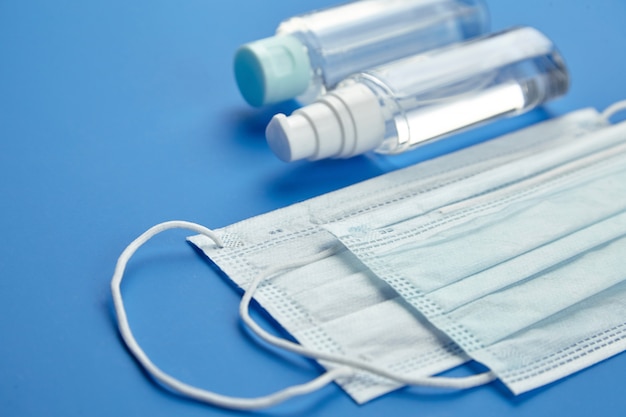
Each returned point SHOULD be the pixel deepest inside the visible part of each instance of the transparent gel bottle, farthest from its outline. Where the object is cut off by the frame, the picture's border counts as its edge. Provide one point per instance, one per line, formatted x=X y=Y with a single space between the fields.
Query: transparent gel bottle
x=311 y=53
x=413 y=101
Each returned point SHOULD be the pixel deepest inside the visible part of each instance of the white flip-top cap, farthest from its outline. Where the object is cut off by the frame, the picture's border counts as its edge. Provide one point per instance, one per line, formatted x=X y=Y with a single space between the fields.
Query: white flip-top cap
x=341 y=124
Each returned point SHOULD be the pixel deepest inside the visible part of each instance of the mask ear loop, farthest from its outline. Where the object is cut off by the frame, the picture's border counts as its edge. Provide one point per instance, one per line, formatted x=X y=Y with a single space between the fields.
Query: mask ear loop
x=175 y=384
x=613 y=109
x=236 y=403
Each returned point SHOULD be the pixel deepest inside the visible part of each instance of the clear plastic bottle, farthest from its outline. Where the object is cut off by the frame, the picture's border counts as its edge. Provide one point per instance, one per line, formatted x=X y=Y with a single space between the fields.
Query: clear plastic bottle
x=311 y=53
x=407 y=103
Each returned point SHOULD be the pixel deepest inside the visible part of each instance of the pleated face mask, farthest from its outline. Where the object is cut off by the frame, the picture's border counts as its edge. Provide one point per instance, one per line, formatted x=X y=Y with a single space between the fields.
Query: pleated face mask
x=374 y=280
x=523 y=267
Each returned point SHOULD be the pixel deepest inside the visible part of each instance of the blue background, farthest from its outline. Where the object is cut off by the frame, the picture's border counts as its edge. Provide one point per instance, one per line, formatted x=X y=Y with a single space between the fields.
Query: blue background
x=116 y=115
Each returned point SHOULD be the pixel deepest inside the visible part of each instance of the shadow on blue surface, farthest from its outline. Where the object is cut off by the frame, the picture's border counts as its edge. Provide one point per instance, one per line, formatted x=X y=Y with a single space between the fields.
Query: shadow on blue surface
x=248 y=124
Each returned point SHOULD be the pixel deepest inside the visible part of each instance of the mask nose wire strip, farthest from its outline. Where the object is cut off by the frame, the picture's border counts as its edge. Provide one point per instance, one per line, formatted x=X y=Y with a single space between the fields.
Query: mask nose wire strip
x=613 y=109
x=236 y=403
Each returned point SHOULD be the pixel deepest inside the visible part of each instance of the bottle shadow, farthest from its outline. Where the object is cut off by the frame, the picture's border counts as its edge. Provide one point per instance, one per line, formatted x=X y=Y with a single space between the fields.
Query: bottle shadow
x=247 y=124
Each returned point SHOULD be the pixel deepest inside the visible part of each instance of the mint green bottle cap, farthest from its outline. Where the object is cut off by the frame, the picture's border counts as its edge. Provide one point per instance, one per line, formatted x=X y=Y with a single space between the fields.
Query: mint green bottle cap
x=271 y=70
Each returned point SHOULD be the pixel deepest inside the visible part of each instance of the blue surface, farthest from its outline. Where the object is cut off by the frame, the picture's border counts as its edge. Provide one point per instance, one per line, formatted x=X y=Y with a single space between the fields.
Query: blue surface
x=116 y=115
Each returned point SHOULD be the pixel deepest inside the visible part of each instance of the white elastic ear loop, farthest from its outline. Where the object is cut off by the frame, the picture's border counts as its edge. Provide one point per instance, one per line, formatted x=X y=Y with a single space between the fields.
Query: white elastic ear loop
x=175 y=384
x=613 y=109
x=439 y=382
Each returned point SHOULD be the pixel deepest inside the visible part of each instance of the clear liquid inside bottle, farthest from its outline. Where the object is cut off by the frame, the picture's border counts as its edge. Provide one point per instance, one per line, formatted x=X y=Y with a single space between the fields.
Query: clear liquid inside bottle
x=346 y=39
x=433 y=95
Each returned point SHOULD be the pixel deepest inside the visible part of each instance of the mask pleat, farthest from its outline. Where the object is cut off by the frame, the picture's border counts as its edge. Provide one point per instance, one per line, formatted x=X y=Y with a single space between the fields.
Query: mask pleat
x=483 y=243
x=535 y=299
x=359 y=291
x=529 y=264
x=578 y=336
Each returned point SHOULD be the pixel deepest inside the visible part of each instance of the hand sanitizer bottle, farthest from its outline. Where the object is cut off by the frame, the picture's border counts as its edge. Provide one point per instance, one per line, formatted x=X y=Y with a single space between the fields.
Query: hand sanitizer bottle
x=412 y=101
x=311 y=53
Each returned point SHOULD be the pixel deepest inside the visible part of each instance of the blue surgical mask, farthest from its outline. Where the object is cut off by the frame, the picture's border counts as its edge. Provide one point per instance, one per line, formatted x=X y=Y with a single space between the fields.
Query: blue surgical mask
x=333 y=299
x=523 y=267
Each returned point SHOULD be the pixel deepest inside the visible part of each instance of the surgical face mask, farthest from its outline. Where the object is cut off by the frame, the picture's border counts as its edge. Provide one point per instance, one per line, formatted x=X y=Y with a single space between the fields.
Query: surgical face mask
x=523 y=267
x=368 y=335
